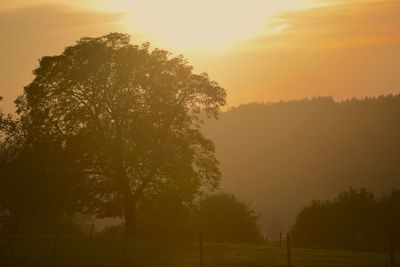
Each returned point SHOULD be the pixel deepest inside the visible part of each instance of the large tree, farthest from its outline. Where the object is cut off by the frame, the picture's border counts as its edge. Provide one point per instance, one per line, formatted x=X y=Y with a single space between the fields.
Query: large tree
x=135 y=115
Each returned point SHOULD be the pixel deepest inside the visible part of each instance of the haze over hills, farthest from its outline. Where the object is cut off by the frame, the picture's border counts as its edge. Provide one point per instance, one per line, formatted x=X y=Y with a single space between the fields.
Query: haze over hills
x=280 y=156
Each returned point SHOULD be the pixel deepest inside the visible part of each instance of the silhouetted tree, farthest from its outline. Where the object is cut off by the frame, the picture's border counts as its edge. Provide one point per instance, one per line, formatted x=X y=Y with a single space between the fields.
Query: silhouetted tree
x=225 y=218
x=133 y=113
x=389 y=214
x=355 y=219
x=166 y=215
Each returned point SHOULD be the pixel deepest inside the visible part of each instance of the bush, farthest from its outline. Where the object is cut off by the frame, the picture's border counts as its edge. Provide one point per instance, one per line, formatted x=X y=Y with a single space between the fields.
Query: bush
x=355 y=219
x=226 y=219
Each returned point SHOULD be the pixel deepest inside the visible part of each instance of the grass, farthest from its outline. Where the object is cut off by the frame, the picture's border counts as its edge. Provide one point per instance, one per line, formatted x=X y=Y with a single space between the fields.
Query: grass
x=107 y=252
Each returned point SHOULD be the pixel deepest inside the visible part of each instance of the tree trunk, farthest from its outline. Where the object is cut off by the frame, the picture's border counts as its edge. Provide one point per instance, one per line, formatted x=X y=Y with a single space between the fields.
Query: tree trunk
x=121 y=177
x=130 y=218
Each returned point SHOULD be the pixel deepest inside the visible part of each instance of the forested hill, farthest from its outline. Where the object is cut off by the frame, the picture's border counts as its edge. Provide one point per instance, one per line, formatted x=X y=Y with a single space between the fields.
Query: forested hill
x=280 y=156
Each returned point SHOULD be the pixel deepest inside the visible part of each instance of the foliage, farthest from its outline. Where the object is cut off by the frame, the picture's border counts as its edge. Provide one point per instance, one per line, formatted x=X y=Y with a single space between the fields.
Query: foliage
x=226 y=219
x=220 y=217
x=39 y=180
x=131 y=114
x=355 y=219
x=167 y=216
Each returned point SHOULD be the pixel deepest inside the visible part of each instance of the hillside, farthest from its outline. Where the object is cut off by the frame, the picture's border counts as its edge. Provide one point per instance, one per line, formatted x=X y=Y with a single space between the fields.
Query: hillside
x=280 y=156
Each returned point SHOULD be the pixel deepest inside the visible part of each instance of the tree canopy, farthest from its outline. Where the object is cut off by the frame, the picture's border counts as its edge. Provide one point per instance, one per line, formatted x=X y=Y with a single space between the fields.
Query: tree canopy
x=132 y=117
x=355 y=219
x=227 y=219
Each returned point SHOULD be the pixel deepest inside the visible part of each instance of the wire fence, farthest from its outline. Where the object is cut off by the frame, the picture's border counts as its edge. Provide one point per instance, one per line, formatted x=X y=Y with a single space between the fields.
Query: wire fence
x=54 y=250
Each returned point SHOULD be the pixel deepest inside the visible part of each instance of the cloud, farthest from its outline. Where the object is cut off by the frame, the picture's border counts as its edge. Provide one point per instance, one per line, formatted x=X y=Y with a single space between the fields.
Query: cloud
x=340 y=24
x=47 y=19
x=341 y=50
x=280 y=28
x=31 y=32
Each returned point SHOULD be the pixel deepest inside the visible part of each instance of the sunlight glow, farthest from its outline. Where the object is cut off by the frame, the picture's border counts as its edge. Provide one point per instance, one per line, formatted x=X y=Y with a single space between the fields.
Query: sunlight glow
x=194 y=24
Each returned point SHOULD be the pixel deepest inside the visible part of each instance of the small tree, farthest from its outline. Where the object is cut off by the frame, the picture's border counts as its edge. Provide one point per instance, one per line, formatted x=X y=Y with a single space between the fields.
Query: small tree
x=351 y=220
x=134 y=113
x=225 y=218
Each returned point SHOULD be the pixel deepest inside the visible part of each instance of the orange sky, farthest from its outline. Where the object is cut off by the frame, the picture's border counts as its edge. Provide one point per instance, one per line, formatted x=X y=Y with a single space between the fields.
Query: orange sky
x=259 y=50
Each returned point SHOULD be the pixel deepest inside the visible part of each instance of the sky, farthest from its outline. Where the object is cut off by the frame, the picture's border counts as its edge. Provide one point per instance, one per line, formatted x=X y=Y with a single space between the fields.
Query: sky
x=258 y=50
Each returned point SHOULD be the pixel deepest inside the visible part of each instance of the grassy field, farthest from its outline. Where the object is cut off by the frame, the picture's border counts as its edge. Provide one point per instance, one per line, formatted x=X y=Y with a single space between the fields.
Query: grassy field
x=107 y=252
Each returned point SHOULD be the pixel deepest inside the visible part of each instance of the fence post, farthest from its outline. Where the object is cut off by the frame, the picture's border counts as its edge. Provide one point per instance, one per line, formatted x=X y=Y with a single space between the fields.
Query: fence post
x=55 y=245
x=391 y=253
x=289 y=260
x=201 y=249
x=125 y=250
x=91 y=230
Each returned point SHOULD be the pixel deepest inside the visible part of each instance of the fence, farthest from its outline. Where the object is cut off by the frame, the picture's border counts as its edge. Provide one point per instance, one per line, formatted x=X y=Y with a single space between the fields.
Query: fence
x=96 y=251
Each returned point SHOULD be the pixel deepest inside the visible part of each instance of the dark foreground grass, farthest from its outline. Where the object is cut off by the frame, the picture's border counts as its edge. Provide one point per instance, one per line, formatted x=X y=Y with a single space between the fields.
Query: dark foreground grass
x=108 y=252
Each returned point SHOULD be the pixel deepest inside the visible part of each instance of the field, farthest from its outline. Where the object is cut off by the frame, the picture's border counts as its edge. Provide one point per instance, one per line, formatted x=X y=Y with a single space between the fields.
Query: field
x=108 y=252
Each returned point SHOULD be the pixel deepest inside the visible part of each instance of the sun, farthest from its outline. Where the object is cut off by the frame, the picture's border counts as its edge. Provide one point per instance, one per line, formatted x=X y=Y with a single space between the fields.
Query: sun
x=194 y=24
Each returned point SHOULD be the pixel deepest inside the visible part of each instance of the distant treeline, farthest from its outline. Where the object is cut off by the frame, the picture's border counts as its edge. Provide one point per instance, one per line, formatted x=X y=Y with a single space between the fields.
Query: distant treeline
x=282 y=155
x=355 y=219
